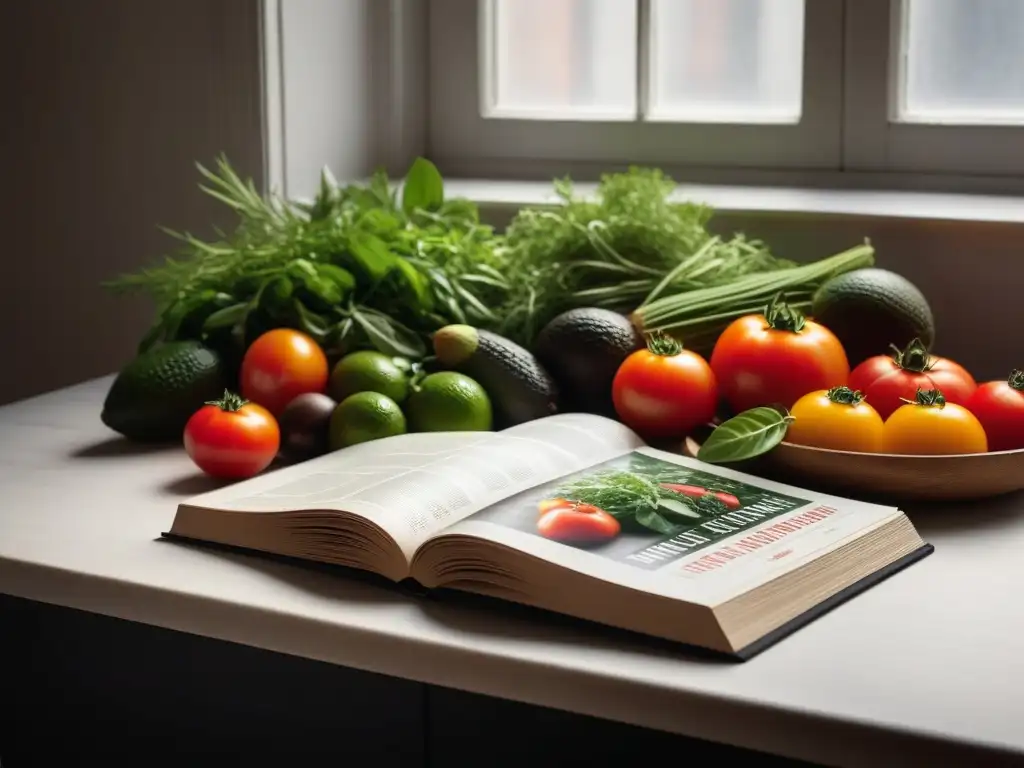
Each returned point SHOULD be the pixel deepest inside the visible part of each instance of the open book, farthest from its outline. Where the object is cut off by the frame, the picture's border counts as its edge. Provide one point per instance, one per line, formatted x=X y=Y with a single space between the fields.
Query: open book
x=572 y=514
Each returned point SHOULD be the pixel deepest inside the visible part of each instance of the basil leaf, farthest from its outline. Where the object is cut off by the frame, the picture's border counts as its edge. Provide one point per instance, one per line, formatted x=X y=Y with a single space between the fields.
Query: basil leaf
x=327 y=291
x=416 y=283
x=388 y=335
x=276 y=293
x=651 y=518
x=423 y=188
x=677 y=508
x=371 y=255
x=745 y=436
x=226 y=317
x=339 y=276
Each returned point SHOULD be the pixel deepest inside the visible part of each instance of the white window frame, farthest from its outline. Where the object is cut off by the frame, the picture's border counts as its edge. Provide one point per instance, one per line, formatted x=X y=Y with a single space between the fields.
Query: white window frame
x=873 y=138
x=465 y=142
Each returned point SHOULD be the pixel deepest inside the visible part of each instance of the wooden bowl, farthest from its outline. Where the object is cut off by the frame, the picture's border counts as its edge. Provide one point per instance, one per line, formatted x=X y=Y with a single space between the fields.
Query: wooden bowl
x=888 y=475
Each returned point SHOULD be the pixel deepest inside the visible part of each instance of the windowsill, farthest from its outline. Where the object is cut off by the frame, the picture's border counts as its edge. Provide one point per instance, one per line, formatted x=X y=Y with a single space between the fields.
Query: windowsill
x=501 y=195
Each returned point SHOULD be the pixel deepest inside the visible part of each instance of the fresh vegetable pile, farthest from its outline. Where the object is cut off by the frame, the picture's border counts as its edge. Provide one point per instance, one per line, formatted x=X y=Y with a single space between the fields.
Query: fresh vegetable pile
x=375 y=310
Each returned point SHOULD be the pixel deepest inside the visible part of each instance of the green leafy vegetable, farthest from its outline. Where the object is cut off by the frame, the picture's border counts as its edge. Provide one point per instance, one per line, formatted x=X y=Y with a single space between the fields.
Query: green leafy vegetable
x=352 y=268
x=746 y=435
x=628 y=244
x=424 y=187
x=699 y=316
x=634 y=498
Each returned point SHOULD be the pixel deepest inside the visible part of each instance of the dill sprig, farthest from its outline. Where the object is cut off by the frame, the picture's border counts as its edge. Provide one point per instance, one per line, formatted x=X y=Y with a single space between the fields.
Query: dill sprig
x=628 y=244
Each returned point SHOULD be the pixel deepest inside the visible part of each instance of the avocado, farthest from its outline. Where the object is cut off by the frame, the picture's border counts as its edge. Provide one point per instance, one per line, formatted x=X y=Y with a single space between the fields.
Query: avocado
x=153 y=397
x=871 y=309
x=583 y=349
x=519 y=386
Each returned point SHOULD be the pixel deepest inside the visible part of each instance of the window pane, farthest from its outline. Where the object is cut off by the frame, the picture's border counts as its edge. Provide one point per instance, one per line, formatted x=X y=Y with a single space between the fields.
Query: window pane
x=964 y=61
x=562 y=59
x=731 y=61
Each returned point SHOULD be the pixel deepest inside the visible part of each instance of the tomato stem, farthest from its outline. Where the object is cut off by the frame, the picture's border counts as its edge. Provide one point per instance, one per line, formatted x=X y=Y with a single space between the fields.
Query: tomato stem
x=927 y=397
x=914 y=358
x=845 y=396
x=662 y=344
x=1016 y=379
x=230 y=402
x=783 y=317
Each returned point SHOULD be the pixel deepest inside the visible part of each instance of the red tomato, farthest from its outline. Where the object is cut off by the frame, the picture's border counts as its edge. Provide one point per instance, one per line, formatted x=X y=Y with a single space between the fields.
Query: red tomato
x=695 y=492
x=776 y=358
x=664 y=390
x=281 y=365
x=999 y=406
x=232 y=438
x=546 y=505
x=888 y=382
x=578 y=524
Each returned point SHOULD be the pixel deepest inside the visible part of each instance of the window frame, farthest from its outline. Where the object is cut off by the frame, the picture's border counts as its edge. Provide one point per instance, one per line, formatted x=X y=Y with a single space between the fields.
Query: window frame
x=464 y=142
x=874 y=140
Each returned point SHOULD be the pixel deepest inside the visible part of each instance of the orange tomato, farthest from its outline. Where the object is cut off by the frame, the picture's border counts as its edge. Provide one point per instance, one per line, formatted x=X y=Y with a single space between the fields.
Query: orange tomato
x=281 y=365
x=838 y=418
x=932 y=426
x=776 y=358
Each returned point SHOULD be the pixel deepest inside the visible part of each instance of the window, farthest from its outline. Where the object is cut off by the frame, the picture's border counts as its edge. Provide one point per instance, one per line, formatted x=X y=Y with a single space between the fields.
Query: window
x=523 y=87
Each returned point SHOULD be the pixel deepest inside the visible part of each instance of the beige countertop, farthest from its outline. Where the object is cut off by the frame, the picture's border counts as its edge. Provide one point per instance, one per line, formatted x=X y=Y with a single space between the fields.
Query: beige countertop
x=921 y=669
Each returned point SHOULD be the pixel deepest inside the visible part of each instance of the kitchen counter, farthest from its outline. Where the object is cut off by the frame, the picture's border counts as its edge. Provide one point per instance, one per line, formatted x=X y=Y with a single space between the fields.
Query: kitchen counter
x=924 y=668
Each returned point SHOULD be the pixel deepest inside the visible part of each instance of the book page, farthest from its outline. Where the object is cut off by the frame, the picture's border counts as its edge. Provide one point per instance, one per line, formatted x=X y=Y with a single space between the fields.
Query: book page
x=414 y=486
x=682 y=528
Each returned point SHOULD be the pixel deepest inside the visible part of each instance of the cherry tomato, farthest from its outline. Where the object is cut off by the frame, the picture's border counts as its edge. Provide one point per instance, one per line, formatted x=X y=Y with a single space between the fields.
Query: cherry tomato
x=281 y=365
x=546 y=505
x=664 y=390
x=930 y=425
x=775 y=358
x=999 y=406
x=232 y=438
x=696 y=492
x=578 y=524
x=887 y=381
x=838 y=418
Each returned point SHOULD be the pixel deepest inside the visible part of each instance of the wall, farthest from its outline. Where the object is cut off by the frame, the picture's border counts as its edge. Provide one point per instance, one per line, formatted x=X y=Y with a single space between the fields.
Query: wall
x=107 y=106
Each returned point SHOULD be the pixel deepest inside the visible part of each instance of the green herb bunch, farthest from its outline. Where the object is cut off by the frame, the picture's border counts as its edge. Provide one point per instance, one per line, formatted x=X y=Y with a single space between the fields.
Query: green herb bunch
x=639 y=501
x=627 y=245
x=355 y=267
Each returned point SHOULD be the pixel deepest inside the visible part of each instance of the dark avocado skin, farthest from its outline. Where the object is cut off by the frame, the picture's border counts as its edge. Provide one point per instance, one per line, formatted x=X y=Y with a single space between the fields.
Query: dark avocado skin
x=519 y=387
x=153 y=397
x=870 y=309
x=583 y=349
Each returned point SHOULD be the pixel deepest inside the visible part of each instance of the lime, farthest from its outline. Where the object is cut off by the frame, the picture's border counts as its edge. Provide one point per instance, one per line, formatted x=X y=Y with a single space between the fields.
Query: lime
x=449 y=402
x=369 y=371
x=365 y=416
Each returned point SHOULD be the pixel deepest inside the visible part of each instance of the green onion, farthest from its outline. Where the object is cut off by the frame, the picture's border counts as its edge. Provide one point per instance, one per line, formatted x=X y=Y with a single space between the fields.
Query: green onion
x=699 y=316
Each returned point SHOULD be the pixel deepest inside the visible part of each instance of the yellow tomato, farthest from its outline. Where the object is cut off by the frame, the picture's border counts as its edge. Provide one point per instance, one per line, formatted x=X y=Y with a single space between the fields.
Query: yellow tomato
x=836 y=418
x=930 y=425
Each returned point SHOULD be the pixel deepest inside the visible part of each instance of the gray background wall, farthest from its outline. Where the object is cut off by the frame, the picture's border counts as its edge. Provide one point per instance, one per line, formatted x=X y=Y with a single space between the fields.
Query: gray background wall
x=107 y=105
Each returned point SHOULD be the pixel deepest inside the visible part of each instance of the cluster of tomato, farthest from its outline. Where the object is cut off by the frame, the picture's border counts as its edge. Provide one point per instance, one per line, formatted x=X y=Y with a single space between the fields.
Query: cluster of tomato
x=911 y=402
x=239 y=436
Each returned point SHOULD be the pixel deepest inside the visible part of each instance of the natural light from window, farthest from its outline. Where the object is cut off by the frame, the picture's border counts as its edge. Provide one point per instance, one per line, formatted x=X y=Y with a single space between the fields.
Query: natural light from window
x=694 y=60
x=726 y=60
x=963 y=62
x=559 y=59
